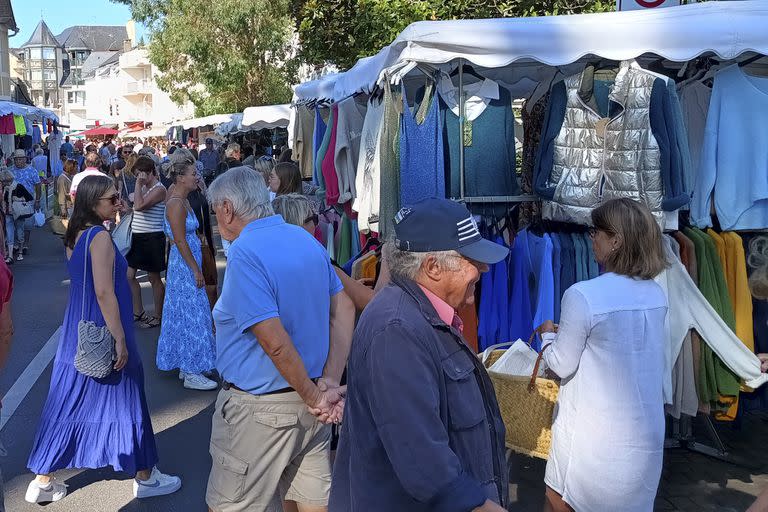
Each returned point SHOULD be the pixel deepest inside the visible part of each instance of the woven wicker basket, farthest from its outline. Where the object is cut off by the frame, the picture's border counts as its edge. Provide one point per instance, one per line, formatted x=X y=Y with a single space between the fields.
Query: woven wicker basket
x=527 y=405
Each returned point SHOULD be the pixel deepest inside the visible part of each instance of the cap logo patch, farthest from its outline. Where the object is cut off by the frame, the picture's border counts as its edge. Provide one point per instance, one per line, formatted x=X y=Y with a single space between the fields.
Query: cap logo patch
x=402 y=214
x=467 y=229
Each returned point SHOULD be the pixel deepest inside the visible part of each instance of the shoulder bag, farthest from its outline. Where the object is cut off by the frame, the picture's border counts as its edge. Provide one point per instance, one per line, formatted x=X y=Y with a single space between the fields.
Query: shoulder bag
x=21 y=208
x=96 y=352
x=122 y=235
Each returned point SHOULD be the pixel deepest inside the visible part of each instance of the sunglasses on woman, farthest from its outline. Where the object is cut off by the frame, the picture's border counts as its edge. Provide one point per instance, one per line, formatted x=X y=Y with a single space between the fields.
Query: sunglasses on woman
x=313 y=218
x=114 y=199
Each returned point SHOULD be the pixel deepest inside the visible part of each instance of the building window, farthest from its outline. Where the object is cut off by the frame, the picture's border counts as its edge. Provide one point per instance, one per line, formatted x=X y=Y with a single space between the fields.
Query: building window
x=35 y=53
x=49 y=53
x=76 y=97
x=37 y=75
x=77 y=77
x=49 y=74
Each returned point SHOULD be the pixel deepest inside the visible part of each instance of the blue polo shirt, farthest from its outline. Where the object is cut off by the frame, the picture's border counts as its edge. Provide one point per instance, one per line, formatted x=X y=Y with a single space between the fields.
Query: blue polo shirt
x=274 y=270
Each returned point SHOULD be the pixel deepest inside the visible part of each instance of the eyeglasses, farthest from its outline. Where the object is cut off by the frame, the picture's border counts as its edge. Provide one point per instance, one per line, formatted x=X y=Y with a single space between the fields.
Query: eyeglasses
x=114 y=199
x=313 y=218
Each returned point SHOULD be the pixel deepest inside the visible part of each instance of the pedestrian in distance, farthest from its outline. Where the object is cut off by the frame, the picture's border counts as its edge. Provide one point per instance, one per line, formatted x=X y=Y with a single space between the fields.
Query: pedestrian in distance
x=29 y=178
x=285 y=178
x=283 y=329
x=14 y=195
x=186 y=334
x=88 y=422
x=609 y=353
x=147 y=241
x=422 y=428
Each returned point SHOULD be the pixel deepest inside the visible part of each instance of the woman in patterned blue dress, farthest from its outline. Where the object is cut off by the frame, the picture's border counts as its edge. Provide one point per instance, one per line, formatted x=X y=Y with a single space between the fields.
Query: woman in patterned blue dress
x=186 y=334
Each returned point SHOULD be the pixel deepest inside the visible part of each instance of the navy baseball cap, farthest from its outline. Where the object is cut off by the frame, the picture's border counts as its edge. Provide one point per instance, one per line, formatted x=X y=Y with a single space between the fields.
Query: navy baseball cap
x=444 y=225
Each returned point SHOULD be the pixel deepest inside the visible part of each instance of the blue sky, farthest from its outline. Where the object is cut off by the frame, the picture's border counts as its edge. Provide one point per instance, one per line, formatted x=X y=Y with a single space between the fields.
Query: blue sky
x=60 y=14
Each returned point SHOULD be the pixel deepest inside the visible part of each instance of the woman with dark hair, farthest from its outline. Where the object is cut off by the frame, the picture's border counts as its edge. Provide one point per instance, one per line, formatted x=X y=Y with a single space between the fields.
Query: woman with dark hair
x=609 y=353
x=186 y=335
x=88 y=422
x=148 y=240
x=285 y=178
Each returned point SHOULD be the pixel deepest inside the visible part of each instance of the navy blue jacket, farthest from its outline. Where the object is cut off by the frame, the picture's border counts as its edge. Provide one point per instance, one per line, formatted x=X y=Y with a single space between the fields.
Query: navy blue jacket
x=422 y=429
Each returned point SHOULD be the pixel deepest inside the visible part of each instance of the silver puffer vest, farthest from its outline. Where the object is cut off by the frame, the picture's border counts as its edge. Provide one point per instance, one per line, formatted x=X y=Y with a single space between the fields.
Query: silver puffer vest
x=599 y=158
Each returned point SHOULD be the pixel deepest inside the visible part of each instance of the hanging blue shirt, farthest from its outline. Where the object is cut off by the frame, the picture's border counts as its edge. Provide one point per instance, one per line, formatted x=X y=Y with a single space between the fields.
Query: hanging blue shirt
x=556 y=272
x=422 y=173
x=520 y=316
x=538 y=261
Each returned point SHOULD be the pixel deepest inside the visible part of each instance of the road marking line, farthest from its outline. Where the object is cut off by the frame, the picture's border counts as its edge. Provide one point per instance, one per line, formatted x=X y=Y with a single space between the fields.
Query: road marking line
x=18 y=392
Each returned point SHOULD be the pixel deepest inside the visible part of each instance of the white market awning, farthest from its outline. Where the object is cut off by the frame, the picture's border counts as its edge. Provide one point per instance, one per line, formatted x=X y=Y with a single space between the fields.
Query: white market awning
x=727 y=29
x=272 y=116
x=257 y=118
x=214 y=120
x=28 y=111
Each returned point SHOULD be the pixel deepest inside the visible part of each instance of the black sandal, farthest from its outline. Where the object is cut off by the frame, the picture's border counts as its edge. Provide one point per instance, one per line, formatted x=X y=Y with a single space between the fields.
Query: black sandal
x=145 y=321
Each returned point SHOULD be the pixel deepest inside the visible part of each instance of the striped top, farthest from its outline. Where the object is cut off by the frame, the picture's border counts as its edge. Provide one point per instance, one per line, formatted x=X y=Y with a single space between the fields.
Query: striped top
x=151 y=220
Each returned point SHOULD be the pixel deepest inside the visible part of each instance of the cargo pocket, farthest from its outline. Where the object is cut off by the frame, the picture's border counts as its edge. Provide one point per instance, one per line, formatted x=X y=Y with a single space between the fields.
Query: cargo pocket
x=276 y=420
x=228 y=474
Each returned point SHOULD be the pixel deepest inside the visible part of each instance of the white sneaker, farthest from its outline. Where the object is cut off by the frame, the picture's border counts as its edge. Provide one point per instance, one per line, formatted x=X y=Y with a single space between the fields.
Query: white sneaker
x=158 y=484
x=39 y=493
x=181 y=375
x=199 y=381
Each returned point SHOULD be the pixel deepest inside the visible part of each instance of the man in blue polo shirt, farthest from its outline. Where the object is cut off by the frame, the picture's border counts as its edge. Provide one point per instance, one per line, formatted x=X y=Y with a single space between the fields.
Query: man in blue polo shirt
x=283 y=332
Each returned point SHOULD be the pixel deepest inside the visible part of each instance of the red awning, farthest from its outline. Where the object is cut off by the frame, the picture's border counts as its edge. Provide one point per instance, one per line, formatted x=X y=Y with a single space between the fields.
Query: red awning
x=99 y=130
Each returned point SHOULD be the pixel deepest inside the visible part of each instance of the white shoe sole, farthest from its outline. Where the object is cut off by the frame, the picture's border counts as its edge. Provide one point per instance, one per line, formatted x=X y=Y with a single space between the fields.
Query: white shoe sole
x=200 y=388
x=151 y=493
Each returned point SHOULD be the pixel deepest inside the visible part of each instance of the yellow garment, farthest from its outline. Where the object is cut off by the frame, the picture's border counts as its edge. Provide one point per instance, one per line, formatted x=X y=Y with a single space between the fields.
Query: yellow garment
x=738 y=288
x=729 y=404
x=18 y=122
x=369 y=267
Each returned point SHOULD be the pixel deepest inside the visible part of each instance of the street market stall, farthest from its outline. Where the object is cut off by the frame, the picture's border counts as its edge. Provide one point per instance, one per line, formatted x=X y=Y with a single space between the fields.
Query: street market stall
x=432 y=115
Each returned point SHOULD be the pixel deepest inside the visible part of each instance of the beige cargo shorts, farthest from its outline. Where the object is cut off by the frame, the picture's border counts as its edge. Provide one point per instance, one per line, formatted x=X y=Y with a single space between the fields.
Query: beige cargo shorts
x=266 y=448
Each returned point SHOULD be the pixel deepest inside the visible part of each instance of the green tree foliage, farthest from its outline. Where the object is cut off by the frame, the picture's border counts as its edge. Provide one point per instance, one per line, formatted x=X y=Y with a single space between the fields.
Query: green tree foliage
x=223 y=56
x=342 y=31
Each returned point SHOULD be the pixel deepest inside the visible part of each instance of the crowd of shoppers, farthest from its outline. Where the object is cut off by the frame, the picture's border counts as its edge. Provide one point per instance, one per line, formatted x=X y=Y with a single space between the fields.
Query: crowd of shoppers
x=296 y=346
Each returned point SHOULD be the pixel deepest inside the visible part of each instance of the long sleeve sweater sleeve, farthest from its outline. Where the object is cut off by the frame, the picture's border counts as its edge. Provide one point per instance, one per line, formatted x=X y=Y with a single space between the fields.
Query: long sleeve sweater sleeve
x=545 y=158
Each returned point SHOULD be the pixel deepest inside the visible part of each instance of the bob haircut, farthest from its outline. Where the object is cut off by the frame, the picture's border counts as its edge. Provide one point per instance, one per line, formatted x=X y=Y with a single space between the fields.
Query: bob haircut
x=641 y=253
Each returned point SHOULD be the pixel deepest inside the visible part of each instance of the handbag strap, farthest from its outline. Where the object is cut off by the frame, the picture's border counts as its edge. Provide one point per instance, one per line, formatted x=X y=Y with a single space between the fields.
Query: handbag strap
x=85 y=268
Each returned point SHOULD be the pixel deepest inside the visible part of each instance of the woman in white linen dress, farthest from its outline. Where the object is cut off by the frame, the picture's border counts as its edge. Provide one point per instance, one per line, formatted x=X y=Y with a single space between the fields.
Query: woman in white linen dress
x=608 y=430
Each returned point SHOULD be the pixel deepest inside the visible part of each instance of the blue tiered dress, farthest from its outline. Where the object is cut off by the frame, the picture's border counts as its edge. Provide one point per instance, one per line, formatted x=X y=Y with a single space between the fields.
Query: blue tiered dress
x=86 y=422
x=186 y=335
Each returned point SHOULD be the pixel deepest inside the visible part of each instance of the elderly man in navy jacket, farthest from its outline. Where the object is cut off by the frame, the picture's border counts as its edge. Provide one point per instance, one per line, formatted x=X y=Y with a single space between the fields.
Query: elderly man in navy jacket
x=422 y=428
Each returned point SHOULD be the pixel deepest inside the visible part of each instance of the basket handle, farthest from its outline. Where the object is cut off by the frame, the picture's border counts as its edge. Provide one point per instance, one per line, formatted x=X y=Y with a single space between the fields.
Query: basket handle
x=532 y=383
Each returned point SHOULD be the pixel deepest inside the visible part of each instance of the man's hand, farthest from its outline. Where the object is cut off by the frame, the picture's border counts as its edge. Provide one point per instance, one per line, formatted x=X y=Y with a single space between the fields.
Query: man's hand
x=548 y=326
x=329 y=405
x=490 y=506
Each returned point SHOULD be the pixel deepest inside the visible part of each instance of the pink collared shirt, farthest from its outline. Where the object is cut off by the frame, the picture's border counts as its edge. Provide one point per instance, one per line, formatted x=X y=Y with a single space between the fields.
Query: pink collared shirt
x=444 y=310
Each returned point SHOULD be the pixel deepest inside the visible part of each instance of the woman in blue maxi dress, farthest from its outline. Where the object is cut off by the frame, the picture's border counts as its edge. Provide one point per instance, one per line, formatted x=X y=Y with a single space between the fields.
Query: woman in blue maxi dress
x=88 y=422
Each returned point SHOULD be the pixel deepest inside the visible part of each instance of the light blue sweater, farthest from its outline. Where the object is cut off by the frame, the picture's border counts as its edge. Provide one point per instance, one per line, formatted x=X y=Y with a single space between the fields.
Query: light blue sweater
x=734 y=157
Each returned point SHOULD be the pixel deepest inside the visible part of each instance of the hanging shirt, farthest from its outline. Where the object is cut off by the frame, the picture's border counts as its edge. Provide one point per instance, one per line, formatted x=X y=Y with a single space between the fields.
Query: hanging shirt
x=322 y=149
x=21 y=127
x=303 y=140
x=488 y=136
x=694 y=101
x=368 y=175
x=347 y=151
x=537 y=255
x=422 y=173
x=556 y=272
x=328 y=167
x=734 y=158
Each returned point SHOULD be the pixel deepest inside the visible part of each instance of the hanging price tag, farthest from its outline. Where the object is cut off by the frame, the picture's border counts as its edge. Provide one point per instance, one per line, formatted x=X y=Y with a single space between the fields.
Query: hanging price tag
x=601 y=126
x=467 y=129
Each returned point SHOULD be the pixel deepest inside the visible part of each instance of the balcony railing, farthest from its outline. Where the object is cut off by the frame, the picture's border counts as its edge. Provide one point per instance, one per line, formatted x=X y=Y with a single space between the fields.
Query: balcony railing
x=138 y=87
